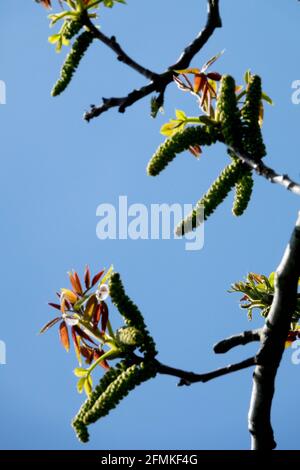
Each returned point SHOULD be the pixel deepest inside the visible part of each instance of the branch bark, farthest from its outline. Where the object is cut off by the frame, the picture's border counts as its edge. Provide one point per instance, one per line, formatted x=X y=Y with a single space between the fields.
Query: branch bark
x=188 y=378
x=263 y=170
x=274 y=335
x=159 y=82
x=237 y=340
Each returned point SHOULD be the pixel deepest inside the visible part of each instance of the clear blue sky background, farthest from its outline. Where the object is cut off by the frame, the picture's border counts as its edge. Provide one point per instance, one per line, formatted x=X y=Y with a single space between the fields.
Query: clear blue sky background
x=56 y=169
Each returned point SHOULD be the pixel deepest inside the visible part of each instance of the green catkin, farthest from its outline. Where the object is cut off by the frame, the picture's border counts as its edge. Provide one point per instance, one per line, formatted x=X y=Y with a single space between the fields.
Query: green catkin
x=72 y=61
x=131 y=314
x=214 y=196
x=167 y=151
x=228 y=113
x=119 y=389
x=253 y=143
x=111 y=375
x=243 y=192
x=72 y=28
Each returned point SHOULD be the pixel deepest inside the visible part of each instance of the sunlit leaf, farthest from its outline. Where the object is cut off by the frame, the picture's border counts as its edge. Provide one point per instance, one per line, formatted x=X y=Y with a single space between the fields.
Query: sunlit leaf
x=64 y=336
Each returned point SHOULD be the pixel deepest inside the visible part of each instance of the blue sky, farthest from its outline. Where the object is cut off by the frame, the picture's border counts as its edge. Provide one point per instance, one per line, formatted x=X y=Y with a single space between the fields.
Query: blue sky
x=56 y=169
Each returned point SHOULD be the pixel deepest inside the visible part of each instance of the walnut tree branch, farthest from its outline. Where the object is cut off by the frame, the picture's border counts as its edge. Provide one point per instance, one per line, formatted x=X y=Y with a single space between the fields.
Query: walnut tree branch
x=273 y=339
x=263 y=170
x=237 y=340
x=112 y=43
x=187 y=378
x=159 y=82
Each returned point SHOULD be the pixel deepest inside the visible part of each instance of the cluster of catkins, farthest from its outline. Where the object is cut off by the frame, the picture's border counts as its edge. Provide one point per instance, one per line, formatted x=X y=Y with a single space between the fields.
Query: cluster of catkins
x=239 y=129
x=128 y=373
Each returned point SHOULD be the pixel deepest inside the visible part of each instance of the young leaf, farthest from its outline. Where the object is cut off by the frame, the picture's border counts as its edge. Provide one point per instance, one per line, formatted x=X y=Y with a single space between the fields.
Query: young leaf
x=49 y=325
x=80 y=384
x=80 y=372
x=64 y=336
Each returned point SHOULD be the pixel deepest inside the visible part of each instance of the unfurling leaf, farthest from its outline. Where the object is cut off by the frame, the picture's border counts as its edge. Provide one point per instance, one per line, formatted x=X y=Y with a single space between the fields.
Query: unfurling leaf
x=64 y=336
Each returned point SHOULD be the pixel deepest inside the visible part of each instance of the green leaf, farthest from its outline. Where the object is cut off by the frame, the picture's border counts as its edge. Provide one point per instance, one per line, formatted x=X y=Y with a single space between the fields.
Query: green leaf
x=266 y=98
x=80 y=384
x=54 y=38
x=107 y=275
x=180 y=115
x=80 y=372
x=271 y=279
x=247 y=76
x=88 y=385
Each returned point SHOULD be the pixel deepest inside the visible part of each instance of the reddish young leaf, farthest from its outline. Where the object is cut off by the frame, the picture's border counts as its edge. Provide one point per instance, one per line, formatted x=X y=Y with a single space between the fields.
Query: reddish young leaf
x=96 y=316
x=64 y=336
x=57 y=306
x=97 y=277
x=83 y=335
x=214 y=76
x=50 y=324
x=104 y=363
x=45 y=3
x=104 y=316
x=87 y=277
x=199 y=82
x=87 y=353
x=75 y=282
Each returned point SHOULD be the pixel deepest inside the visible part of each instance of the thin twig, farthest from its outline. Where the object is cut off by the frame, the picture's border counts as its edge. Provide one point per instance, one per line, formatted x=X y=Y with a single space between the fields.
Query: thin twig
x=112 y=43
x=187 y=378
x=273 y=339
x=237 y=340
x=159 y=82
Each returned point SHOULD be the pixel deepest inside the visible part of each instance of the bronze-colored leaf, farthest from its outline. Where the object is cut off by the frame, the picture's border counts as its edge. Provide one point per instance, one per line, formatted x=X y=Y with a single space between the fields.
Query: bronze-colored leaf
x=50 y=324
x=97 y=277
x=96 y=316
x=104 y=316
x=91 y=307
x=57 y=306
x=75 y=282
x=87 y=277
x=64 y=336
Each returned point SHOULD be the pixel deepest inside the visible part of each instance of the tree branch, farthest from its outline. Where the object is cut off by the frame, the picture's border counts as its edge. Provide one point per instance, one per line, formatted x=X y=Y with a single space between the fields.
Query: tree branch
x=187 y=378
x=237 y=340
x=112 y=43
x=274 y=335
x=263 y=170
x=159 y=82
